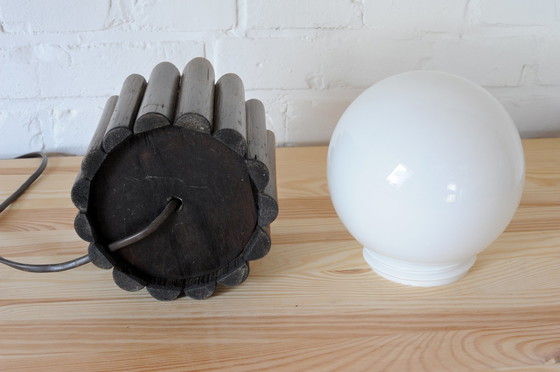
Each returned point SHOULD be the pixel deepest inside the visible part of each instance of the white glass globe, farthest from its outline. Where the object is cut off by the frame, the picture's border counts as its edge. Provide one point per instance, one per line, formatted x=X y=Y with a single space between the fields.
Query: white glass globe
x=425 y=169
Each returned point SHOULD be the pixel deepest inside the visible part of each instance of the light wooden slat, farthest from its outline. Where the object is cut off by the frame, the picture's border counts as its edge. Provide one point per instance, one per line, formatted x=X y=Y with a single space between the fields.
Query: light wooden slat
x=311 y=304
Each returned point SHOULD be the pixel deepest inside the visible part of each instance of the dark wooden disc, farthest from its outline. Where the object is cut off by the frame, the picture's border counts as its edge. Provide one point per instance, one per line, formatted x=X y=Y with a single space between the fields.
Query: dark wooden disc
x=214 y=223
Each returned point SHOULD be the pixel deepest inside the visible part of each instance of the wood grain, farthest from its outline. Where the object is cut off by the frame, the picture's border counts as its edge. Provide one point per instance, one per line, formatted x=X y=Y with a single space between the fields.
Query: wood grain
x=195 y=107
x=230 y=121
x=158 y=104
x=311 y=304
x=95 y=155
x=257 y=143
x=122 y=121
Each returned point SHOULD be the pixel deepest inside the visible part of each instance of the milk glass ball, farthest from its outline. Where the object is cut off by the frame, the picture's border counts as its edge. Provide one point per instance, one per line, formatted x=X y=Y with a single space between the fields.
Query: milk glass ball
x=425 y=170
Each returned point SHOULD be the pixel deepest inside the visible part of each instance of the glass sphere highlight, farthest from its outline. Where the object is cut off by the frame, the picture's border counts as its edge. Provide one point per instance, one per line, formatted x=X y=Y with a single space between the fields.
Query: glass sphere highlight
x=425 y=170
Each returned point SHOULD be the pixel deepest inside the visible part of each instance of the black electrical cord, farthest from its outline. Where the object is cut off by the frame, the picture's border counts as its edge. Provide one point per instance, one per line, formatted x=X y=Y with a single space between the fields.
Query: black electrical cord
x=29 y=181
x=172 y=205
x=47 y=268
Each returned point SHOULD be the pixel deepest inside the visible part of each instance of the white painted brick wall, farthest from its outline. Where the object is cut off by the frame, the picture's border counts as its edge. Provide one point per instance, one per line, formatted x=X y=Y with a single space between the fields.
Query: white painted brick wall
x=184 y=15
x=517 y=12
x=305 y=59
x=401 y=16
x=53 y=15
x=68 y=71
x=304 y=14
x=492 y=62
x=548 y=72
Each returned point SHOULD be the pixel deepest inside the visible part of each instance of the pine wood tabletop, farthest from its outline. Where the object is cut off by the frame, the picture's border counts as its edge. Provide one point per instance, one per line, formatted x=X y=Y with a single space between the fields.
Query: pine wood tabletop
x=311 y=304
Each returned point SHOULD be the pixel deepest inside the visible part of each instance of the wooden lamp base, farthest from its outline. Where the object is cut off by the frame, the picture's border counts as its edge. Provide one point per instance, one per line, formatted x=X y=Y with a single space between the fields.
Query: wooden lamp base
x=193 y=141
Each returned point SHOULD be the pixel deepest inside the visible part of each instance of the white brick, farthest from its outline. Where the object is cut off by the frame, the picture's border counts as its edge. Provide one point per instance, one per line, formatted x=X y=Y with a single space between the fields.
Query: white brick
x=359 y=59
x=268 y=63
x=275 y=103
x=414 y=15
x=350 y=58
x=548 y=70
x=18 y=73
x=53 y=15
x=303 y=14
x=20 y=128
x=517 y=12
x=535 y=110
x=54 y=125
x=304 y=117
x=185 y=15
x=486 y=61
x=311 y=121
x=100 y=69
x=72 y=123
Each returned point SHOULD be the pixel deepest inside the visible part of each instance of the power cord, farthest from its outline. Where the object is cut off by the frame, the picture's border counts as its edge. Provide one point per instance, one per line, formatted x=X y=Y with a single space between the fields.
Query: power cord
x=29 y=181
x=172 y=205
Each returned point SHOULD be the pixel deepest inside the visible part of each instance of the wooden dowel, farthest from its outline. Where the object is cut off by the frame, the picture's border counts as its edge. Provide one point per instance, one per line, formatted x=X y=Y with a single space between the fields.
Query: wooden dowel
x=158 y=104
x=268 y=209
x=83 y=227
x=258 y=172
x=195 y=108
x=201 y=292
x=126 y=281
x=256 y=143
x=164 y=293
x=258 y=245
x=95 y=155
x=98 y=258
x=92 y=159
x=230 y=121
x=256 y=130
x=126 y=110
x=236 y=276
x=268 y=199
x=270 y=162
x=97 y=140
x=80 y=192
